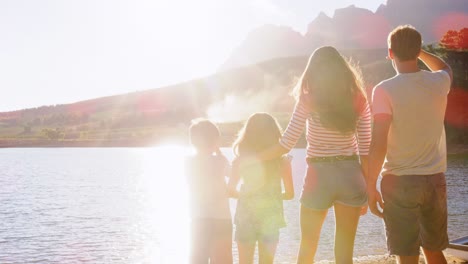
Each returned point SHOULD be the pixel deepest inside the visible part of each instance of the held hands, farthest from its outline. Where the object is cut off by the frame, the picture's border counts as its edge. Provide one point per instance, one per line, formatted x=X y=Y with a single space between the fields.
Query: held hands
x=375 y=200
x=364 y=210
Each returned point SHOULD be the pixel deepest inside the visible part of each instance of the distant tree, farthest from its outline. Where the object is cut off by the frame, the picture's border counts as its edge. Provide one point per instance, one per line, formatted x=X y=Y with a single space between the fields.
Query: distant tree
x=83 y=128
x=439 y=50
x=455 y=40
x=37 y=121
x=52 y=134
x=463 y=38
x=450 y=39
x=27 y=129
x=83 y=135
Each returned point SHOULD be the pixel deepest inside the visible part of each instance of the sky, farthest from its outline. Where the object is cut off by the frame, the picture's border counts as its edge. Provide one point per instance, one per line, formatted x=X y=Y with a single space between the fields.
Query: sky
x=64 y=51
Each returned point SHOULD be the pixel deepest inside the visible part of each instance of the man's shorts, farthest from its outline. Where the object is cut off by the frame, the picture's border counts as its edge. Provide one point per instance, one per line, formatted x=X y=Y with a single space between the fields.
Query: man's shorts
x=327 y=183
x=415 y=213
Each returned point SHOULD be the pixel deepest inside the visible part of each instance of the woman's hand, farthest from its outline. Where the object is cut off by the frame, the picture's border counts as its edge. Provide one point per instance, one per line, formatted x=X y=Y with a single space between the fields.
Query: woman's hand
x=364 y=210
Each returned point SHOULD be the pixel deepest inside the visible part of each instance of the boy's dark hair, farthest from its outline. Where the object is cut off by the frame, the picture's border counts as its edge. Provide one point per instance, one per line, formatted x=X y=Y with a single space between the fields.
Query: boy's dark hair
x=203 y=133
x=405 y=42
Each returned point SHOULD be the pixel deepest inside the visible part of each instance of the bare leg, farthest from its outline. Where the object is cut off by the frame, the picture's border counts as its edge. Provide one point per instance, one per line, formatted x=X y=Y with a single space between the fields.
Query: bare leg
x=434 y=257
x=200 y=242
x=266 y=251
x=407 y=259
x=347 y=219
x=222 y=248
x=246 y=252
x=311 y=225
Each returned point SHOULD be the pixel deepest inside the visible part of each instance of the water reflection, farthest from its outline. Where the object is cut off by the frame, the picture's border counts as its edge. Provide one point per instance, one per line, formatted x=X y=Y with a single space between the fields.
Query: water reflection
x=129 y=205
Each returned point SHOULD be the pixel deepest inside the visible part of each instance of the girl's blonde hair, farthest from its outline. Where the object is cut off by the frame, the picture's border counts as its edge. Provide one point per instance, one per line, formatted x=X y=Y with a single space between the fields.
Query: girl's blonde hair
x=335 y=89
x=260 y=132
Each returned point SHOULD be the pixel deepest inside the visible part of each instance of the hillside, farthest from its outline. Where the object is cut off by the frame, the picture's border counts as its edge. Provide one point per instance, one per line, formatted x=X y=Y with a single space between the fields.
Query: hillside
x=163 y=115
x=151 y=116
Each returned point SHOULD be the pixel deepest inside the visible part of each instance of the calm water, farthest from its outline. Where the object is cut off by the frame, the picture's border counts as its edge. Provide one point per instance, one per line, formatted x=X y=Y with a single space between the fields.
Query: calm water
x=129 y=205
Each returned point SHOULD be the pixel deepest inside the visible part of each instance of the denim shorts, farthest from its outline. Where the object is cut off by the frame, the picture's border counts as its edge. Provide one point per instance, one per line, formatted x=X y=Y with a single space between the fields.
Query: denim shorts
x=415 y=213
x=330 y=182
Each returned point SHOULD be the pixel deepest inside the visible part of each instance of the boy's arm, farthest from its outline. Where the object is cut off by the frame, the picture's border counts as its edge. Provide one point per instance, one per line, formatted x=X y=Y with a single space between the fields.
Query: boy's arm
x=234 y=179
x=376 y=159
x=435 y=63
x=226 y=164
x=286 y=175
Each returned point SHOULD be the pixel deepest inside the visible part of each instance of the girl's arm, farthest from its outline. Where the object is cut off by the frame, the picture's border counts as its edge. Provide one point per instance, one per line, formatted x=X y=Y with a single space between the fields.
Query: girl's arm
x=234 y=179
x=286 y=175
x=273 y=152
x=290 y=136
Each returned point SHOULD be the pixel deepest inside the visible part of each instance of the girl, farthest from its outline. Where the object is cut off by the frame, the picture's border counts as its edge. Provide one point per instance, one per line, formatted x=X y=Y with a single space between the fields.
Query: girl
x=259 y=213
x=331 y=101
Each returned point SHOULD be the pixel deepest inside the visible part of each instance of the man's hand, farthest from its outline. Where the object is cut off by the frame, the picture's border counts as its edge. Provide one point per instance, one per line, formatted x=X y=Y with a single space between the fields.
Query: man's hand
x=375 y=200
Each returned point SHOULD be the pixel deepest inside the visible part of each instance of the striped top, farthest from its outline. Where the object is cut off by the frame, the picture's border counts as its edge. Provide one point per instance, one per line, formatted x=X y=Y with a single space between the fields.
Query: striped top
x=322 y=142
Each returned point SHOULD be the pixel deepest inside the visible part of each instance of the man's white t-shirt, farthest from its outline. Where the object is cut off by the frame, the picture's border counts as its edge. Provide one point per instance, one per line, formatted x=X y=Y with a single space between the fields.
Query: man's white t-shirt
x=416 y=140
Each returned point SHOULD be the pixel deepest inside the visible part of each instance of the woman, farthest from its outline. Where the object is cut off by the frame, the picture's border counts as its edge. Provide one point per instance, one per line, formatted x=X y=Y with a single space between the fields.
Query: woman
x=331 y=102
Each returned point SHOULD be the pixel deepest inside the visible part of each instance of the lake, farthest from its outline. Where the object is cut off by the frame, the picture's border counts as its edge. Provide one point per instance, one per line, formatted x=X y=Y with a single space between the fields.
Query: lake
x=129 y=205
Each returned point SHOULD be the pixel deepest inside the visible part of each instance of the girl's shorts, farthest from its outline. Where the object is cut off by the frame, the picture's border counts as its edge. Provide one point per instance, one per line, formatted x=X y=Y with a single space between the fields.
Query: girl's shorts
x=330 y=182
x=249 y=234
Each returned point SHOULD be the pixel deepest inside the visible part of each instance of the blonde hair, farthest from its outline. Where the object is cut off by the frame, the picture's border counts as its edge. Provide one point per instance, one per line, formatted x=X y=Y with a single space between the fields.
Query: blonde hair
x=335 y=89
x=260 y=132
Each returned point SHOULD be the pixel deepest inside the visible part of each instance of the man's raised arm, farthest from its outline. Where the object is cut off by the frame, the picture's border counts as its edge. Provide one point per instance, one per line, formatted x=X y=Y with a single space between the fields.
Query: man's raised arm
x=435 y=63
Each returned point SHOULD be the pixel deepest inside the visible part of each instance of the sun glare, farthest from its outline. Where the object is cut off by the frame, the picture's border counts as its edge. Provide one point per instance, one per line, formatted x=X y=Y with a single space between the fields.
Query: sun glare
x=165 y=187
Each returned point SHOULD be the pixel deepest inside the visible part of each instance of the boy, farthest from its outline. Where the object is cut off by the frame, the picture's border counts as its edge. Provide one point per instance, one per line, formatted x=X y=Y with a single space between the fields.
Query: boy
x=211 y=217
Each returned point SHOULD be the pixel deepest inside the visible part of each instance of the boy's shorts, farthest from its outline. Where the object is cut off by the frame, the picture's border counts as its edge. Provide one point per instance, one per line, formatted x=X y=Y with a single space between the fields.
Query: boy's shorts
x=330 y=182
x=211 y=239
x=415 y=213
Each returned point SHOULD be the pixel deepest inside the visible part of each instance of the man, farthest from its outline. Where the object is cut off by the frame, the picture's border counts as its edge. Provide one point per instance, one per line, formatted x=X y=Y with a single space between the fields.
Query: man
x=408 y=139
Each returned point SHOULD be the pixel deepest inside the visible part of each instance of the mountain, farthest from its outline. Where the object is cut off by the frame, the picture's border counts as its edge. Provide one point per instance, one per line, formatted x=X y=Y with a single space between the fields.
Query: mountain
x=228 y=97
x=431 y=17
x=352 y=28
x=264 y=41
